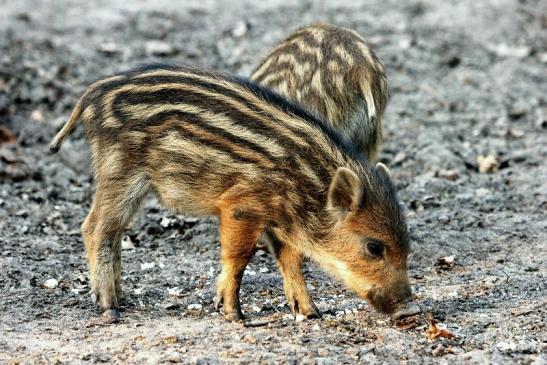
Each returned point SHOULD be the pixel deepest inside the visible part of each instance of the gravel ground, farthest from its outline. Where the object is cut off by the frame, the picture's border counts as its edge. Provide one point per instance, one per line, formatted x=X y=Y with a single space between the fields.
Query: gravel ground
x=468 y=79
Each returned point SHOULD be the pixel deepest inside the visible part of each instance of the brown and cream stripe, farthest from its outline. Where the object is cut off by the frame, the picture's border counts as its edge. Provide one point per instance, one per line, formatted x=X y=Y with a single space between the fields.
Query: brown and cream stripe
x=331 y=72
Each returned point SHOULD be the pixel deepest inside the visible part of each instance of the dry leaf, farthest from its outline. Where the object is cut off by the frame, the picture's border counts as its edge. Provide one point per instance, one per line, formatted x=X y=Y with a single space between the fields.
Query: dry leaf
x=6 y=136
x=434 y=331
x=487 y=164
x=169 y=340
x=7 y=155
x=407 y=322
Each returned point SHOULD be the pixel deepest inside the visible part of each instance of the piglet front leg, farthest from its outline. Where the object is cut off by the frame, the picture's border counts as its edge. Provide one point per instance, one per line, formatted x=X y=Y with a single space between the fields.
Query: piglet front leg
x=238 y=239
x=290 y=264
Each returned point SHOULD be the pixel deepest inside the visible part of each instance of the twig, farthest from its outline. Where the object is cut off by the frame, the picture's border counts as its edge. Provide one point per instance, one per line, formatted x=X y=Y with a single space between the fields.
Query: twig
x=506 y=276
x=261 y=323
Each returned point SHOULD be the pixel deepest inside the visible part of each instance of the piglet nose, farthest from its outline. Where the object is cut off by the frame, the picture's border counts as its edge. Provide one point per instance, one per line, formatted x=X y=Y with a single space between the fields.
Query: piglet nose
x=406 y=309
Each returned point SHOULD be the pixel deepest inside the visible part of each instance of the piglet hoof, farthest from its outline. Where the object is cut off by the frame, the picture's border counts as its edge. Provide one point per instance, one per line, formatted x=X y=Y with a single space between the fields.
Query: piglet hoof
x=315 y=314
x=307 y=315
x=234 y=317
x=308 y=312
x=408 y=309
x=111 y=316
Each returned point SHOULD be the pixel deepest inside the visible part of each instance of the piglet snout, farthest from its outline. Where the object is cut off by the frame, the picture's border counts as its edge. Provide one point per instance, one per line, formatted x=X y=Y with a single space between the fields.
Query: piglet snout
x=406 y=309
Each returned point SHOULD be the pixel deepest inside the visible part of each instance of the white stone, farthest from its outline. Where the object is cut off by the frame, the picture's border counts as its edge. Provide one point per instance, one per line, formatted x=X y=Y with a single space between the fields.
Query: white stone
x=506 y=346
x=165 y=222
x=300 y=317
x=316 y=327
x=147 y=265
x=158 y=48
x=51 y=283
x=240 y=29
x=174 y=291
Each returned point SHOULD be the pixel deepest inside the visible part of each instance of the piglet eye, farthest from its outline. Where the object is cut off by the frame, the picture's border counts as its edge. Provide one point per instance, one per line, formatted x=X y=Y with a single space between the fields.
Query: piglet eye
x=375 y=249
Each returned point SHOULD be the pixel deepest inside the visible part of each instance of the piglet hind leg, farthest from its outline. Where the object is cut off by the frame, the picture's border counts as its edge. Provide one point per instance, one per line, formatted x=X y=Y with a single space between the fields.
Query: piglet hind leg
x=237 y=239
x=290 y=264
x=102 y=231
x=102 y=242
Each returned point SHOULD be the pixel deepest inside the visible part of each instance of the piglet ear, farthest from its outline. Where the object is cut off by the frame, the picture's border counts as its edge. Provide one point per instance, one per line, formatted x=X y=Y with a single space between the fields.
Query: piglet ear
x=345 y=192
x=383 y=170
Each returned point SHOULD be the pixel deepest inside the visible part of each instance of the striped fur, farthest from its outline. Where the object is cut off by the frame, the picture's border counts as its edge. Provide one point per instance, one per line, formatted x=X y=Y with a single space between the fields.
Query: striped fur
x=209 y=144
x=333 y=73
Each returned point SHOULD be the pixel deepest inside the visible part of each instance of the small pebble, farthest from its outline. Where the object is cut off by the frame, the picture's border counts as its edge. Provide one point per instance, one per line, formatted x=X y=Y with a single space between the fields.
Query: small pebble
x=450 y=175
x=51 y=283
x=165 y=222
x=504 y=346
x=176 y=291
x=323 y=352
x=108 y=48
x=399 y=157
x=438 y=351
x=482 y=192
x=104 y=357
x=316 y=327
x=300 y=317
x=353 y=351
x=516 y=133
x=158 y=48
x=147 y=265
x=507 y=50
x=240 y=29
x=37 y=116
x=173 y=356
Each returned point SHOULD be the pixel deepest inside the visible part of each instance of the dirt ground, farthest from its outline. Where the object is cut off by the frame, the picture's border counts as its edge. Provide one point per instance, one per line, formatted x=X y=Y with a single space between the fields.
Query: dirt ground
x=468 y=78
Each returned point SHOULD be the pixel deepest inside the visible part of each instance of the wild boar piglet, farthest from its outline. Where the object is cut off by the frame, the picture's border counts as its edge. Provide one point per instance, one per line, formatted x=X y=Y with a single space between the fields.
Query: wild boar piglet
x=333 y=73
x=211 y=144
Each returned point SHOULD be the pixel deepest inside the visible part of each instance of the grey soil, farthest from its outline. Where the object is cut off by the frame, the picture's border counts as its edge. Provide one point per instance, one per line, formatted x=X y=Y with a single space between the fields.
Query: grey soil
x=468 y=78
